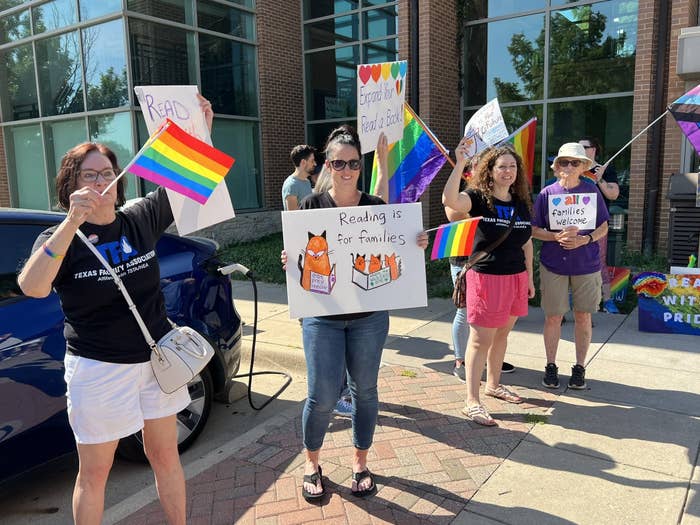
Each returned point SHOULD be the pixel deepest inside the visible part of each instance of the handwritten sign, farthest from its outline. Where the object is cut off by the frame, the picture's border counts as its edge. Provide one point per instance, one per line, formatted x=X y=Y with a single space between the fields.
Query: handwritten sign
x=180 y=104
x=381 y=90
x=354 y=259
x=573 y=209
x=669 y=303
x=485 y=128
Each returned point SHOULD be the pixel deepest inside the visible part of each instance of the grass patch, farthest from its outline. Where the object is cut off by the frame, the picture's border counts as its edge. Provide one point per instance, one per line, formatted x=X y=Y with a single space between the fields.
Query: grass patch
x=262 y=256
x=536 y=419
x=408 y=373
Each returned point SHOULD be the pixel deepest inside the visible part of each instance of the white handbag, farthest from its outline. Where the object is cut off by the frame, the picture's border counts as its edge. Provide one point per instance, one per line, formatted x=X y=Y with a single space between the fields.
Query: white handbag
x=179 y=355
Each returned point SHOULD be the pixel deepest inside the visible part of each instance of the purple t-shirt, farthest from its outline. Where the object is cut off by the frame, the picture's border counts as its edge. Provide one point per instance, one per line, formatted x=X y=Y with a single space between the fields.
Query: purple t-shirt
x=582 y=260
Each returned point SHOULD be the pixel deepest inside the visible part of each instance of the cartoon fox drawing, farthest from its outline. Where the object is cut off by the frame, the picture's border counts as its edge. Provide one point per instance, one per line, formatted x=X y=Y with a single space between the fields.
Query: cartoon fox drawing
x=359 y=262
x=375 y=263
x=394 y=265
x=315 y=259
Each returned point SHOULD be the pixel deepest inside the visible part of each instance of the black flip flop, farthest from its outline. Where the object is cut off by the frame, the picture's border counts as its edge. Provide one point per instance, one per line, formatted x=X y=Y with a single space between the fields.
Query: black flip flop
x=359 y=476
x=313 y=479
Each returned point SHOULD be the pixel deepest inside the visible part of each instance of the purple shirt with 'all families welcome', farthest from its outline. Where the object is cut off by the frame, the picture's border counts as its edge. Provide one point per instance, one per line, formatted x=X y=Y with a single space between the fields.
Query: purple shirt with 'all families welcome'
x=579 y=261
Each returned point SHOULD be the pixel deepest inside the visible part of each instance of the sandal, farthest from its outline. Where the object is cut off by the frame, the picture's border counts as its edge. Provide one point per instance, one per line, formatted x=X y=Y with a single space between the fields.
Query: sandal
x=359 y=476
x=313 y=479
x=503 y=393
x=478 y=414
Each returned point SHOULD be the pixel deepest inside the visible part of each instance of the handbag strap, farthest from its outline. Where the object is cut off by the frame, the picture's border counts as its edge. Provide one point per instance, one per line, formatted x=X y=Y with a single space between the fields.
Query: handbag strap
x=491 y=247
x=117 y=280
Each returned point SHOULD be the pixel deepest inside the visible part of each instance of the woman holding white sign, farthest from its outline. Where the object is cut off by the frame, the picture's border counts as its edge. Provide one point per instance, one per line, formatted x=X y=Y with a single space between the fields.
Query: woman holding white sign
x=500 y=280
x=336 y=342
x=570 y=217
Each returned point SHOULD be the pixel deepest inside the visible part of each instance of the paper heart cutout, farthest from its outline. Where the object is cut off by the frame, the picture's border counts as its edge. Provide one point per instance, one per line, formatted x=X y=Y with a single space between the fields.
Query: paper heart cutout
x=586 y=200
x=365 y=73
x=376 y=72
x=394 y=69
x=386 y=70
x=403 y=66
x=556 y=201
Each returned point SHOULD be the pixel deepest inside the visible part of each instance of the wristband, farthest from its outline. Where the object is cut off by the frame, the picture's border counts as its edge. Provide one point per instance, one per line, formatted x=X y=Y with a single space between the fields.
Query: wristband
x=50 y=253
x=590 y=237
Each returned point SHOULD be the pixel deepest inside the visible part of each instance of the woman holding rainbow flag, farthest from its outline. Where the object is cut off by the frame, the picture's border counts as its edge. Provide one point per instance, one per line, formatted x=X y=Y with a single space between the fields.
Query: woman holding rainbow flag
x=500 y=283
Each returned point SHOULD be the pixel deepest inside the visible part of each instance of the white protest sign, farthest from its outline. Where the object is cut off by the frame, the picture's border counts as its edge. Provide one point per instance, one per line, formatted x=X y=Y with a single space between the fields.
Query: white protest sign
x=381 y=90
x=354 y=259
x=180 y=104
x=485 y=128
x=573 y=209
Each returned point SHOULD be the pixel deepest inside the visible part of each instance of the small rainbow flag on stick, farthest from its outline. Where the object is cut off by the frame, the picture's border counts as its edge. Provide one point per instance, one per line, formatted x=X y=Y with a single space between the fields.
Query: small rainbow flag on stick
x=523 y=141
x=454 y=239
x=175 y=159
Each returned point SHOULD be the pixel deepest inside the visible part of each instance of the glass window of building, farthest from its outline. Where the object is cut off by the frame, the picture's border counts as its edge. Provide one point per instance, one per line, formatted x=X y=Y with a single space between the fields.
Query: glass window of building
x=321 y=8
x=240 y=138
x=105 y=65
x=115 y=132
x=90 y=9
x=381 y=22
x=54 y=15
x=331 y=83
x=18 y=94
x=59 y=137
x=161 y=56
x=229 y=75
x=478 y=9
x=25 y=158
x=60 y=74
x=174 y=10
x=225 y=19
x=332 y=32
x=15 y=26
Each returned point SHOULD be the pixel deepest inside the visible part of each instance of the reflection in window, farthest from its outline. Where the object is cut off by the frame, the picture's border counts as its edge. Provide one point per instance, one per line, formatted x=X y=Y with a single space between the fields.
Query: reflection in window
x=513 y=67
x=60 y=136
x=478 y=9
x=54 y=15
x=331 y=32
x=319 y=8
x=105 y=65
x=596 y=38
x=381 y=22
x=91 y=9
x=26 y=167
x=229 y=78
x=175 y=10
x=60 y=79
x=18 y=240
x=331 y=83
x=224 y=19
x=240 y=140
x=160 y=55
x=14 y=27
x=18 y=96
x=114 y=131
x=384 y=51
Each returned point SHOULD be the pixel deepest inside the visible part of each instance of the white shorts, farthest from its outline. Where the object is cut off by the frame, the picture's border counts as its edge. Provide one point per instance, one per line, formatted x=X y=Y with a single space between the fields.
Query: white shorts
x=109 y=401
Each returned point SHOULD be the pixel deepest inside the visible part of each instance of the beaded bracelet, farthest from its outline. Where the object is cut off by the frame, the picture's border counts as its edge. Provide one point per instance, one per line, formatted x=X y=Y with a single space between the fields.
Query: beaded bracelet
x=50 y=253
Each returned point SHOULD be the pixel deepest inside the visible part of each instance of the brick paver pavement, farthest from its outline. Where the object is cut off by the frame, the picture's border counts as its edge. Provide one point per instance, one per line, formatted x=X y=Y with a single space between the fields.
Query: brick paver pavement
x=427 y=458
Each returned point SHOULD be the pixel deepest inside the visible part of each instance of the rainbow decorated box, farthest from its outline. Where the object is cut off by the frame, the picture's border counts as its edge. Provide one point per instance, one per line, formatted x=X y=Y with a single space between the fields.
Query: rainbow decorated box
x=619 y=279
x=668 y=303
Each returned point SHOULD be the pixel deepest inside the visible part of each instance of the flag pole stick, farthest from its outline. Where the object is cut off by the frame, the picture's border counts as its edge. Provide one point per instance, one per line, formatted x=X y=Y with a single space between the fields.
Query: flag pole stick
x=455 y=222
x=637 y=136
x=148 y=143
x=430 y=134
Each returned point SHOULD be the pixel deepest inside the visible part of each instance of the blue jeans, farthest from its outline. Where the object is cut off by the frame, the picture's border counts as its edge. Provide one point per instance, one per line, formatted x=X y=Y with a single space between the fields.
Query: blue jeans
x=330 y=347
x=460 y=327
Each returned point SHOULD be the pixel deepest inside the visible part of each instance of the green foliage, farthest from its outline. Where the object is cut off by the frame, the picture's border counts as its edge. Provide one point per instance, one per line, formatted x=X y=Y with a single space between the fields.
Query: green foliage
x=408 y=373
x=536 y=419
x=262 y=256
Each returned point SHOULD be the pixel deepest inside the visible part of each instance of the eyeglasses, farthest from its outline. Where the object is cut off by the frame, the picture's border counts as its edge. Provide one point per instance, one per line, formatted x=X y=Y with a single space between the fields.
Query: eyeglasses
x=339 y=165
x=564 y=163
x=108 y=174
x=588 y=146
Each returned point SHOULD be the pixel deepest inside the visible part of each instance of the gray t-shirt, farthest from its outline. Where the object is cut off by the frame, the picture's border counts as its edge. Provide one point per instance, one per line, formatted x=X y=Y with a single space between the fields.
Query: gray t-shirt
x=298 y=188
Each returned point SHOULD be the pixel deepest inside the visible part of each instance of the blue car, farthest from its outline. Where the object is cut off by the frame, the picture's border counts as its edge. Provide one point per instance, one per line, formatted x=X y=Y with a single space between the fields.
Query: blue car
x=33 y=420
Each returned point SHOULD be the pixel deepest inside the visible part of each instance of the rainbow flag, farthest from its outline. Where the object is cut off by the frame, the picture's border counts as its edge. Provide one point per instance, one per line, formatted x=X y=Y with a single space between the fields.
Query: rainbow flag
x=175 y=159
x=413 y=161
x=686 y=111
x=454 y=239
x=523 y=141
x=588 y=176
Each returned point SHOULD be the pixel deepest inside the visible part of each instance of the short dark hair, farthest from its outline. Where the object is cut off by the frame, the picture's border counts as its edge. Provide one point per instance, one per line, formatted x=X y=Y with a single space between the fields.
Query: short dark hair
x=67 y=178
x=301 y=152
x=595 y=143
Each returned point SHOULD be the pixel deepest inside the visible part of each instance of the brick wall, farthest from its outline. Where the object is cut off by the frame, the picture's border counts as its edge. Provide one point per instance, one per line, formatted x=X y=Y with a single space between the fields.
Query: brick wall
x=4 y=176
x=281 y=92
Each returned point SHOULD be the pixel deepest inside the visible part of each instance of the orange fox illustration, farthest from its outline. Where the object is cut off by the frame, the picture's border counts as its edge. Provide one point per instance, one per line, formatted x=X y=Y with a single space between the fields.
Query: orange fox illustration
x=394 y=269
x=315 y=259
x=375 y=263
x=359 y=262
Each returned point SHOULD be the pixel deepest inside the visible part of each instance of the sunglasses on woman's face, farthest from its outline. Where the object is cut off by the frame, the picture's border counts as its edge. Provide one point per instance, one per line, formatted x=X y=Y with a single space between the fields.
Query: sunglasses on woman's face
x=339 y=165
x=565 y=162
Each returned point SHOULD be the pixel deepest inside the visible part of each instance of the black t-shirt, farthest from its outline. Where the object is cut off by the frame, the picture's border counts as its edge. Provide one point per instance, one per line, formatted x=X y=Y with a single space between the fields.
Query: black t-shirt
x=98 y=323
x=324 y=200
x=508 y=257
x=610 y=175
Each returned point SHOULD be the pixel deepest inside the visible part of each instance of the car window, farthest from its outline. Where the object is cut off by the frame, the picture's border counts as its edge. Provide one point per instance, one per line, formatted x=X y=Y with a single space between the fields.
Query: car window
x=17 y=242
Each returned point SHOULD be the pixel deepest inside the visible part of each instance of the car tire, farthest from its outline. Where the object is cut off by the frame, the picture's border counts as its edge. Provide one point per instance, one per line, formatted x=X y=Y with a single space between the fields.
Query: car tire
x=190 y=421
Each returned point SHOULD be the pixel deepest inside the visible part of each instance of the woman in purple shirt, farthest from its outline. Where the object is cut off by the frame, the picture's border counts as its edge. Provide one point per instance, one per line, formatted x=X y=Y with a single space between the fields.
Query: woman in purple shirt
x=569 y=260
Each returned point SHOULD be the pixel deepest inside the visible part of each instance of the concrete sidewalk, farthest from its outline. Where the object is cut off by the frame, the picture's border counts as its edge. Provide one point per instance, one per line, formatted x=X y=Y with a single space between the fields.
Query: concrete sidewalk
x=623 y=451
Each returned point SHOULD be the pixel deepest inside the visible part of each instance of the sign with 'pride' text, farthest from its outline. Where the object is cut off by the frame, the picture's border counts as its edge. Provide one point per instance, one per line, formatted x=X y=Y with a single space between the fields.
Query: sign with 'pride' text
x=381 y=90
x=573 y=209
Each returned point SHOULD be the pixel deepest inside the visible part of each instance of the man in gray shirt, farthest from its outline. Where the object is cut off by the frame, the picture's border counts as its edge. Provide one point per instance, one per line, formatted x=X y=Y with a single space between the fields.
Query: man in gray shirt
x=297 y=185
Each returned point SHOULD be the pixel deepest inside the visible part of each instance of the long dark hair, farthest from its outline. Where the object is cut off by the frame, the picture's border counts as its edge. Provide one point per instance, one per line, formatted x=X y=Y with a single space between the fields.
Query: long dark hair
x=344 y=135
x=67 y=178
x=482 y=180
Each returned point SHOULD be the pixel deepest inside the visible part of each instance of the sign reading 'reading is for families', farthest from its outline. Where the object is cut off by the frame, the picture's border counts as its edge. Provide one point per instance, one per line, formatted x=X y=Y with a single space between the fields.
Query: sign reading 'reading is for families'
x=573 y=209
x=381 y=90
x=354 y=259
